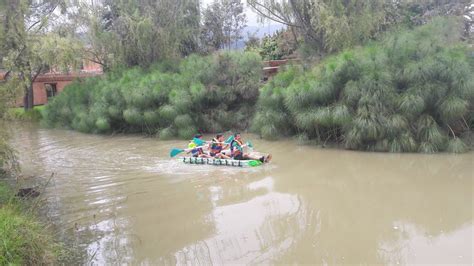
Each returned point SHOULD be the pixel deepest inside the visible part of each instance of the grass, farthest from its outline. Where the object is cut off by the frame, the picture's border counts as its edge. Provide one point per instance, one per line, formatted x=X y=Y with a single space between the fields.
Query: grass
x=19 y=113
x=24 y=240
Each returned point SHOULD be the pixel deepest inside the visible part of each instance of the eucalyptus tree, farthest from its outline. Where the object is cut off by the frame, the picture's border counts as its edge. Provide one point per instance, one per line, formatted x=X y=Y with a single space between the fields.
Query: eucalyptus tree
x=212 y=34
x=332 y=25
x=328 y=26
x=30 y=46
x=234 y=21
x=139 y=32
x=223 y=22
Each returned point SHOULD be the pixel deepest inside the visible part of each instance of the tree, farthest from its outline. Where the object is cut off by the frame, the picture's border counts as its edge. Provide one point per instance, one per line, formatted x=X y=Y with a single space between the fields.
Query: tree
x=223 y=24
x=30 y=46
x=252 y=43
x=234 y=21
x=212 y=34
x=332 y=25
x=272 y=47
x=139 y=32
x=327 y=25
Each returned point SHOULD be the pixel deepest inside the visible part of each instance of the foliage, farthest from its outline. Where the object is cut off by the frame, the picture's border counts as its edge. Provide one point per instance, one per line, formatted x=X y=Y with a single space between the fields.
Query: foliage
x=413 y=91
x=333 y=25
x=274 y=47
x=24 y=240
x=205 y=94
x=137 y=33
x=28 y=45
x=223 y=22
x=329 y=25
x=28 y=115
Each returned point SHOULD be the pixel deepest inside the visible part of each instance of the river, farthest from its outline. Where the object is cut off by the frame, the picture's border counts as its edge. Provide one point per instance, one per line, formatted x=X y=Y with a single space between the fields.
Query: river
x=121 y=199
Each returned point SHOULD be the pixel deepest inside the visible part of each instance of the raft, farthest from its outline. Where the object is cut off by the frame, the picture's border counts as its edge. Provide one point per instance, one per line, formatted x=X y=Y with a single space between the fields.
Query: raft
x=221 y=162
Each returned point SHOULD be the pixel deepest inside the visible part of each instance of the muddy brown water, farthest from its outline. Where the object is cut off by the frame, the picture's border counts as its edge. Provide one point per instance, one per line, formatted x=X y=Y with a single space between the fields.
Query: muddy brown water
x=123 y=200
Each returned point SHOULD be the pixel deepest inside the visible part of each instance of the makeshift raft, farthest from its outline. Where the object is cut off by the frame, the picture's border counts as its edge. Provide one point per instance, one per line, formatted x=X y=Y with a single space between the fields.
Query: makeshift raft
x=221 y=162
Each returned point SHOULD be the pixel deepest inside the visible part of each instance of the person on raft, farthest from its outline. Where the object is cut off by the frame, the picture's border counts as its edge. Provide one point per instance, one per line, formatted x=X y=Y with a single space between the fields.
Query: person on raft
x=237 y=151
x=195 y=149
x=216 y=146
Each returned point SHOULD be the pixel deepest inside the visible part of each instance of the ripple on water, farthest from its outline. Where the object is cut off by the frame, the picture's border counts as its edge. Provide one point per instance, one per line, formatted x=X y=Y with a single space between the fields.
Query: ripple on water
x=126 y=201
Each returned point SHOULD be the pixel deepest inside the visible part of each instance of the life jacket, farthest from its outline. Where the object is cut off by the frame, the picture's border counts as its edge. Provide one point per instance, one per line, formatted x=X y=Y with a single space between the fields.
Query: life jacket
x=195 y=150
x=236 y=148
x=216 y=147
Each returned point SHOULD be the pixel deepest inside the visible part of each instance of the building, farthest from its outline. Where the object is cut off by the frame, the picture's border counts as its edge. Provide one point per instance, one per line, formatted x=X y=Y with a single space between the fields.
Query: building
x=51 y=83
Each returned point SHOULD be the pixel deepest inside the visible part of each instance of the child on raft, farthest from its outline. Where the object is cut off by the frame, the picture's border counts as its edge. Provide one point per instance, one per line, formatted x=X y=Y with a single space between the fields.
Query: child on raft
x=195 y=149
x=216 y=147
x=237 y=151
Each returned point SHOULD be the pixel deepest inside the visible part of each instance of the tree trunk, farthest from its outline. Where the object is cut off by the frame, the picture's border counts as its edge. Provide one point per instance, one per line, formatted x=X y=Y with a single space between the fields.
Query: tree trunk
x=29 y=99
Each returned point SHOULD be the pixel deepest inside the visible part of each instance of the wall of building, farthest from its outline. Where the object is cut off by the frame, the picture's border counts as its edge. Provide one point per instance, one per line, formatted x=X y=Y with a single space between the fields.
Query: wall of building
x=58 y=78
x=39 y=90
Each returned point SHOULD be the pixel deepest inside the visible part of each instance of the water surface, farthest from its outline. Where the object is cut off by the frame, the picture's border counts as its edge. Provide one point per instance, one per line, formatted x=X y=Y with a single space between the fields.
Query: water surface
x=123 y=200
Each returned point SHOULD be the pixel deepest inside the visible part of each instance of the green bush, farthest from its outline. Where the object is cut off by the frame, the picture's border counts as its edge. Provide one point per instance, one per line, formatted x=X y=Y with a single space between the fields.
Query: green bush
x=205 y=94
x=412 y=91
x=19 y=113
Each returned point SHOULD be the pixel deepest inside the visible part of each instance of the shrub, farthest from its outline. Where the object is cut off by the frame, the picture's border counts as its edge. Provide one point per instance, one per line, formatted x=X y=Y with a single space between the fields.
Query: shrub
x=402 y=94
x=209 y=94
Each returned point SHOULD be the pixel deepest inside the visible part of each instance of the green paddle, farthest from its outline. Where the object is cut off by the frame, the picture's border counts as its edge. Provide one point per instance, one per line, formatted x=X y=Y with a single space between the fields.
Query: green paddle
x=254 y=163
x=249 y=144
x=229 y=139
x=199 y=142
x=175 y=152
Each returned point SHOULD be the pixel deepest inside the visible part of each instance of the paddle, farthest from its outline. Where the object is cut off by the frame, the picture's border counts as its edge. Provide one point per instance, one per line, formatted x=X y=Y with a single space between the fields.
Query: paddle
x=249 y=144
x=201 y=143
x=176 y=151
x=229 y=139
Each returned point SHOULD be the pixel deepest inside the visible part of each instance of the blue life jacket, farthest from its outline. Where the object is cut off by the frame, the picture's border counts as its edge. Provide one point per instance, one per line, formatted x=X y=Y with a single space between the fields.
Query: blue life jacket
x=216 y=147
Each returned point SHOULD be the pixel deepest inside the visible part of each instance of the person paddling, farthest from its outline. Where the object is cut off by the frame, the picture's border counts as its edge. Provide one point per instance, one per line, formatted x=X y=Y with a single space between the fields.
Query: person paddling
x=196 y=151
x=216 y=147
x=237 y=151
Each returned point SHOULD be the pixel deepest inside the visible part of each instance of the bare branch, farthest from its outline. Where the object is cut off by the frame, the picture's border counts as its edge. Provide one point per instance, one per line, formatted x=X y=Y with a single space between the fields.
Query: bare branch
x=276 y=17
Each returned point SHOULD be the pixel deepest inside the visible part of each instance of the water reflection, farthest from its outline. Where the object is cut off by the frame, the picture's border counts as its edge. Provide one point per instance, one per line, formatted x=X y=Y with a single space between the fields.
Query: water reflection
x=413 y=245
x=245 y=231
x=123 y=201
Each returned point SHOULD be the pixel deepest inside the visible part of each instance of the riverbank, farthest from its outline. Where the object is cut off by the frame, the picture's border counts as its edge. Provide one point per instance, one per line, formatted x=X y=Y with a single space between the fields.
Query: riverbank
x=198 y=94
x=25 y=239
x=410 y=91
x=19 y=113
